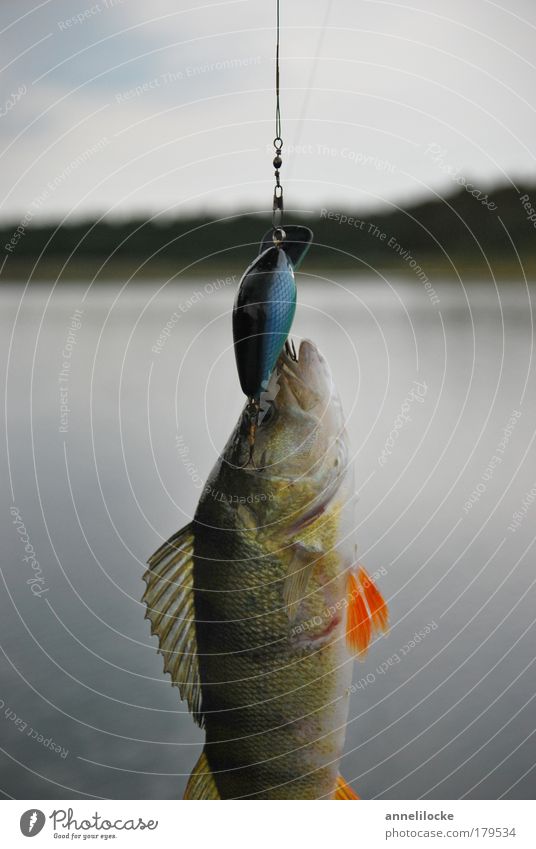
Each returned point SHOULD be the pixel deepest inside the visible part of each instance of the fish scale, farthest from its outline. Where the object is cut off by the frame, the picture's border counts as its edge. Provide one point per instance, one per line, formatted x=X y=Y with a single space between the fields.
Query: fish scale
x=275 y=708
x=259 y=605
x=274 y=712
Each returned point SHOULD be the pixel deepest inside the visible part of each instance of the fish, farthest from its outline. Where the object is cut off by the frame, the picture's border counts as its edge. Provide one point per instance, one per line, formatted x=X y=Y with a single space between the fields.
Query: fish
x=260 y=604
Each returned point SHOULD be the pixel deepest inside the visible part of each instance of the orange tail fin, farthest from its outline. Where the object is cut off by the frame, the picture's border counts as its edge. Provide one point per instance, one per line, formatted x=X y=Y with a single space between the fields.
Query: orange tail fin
x=367 y=611
x=343 y=790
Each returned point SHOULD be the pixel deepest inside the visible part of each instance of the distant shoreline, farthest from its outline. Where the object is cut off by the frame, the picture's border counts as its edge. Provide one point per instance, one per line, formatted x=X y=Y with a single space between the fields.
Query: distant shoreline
x=451 y=236
x=80 y=270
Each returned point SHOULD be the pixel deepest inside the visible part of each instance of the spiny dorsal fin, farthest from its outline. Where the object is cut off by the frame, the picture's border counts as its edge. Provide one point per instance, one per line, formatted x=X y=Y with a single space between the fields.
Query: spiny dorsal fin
x=343 y=790
x=170 y=607
x=201 y=784
x=367 y=611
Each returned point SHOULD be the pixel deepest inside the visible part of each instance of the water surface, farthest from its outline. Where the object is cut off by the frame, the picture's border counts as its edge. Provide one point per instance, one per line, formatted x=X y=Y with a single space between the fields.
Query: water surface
x=101 y=405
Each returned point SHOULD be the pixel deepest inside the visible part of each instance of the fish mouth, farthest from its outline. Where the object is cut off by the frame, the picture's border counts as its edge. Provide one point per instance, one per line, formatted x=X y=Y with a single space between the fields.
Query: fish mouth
x=308 y=357
x=301 y=422
x=307 y=375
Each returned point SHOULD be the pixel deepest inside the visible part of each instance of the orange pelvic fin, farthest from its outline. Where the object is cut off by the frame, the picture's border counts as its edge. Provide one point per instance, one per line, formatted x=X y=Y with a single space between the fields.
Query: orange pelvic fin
x=344 y=791
x=367 y=611
x=378 y=608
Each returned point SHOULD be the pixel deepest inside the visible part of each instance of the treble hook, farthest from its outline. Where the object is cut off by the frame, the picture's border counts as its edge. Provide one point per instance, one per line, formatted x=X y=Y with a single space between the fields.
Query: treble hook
x=252 y=411
x=290 y=348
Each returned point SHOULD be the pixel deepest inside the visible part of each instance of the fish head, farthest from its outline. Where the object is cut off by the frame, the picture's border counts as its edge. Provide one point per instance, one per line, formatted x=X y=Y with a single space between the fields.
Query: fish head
x=300 y=451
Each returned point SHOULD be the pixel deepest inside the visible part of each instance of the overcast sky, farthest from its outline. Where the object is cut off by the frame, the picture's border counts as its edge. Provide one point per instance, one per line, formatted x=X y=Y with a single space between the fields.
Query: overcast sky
x=137 y=107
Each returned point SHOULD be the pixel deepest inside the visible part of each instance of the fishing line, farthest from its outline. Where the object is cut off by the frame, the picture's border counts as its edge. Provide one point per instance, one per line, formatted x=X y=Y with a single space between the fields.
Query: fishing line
x=277 y=104
x=278 y=234
x=277 y=207
x=266 y=298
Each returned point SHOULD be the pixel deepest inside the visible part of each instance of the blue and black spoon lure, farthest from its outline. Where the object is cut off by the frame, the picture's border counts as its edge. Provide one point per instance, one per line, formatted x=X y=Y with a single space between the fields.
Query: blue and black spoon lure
x=264 y=311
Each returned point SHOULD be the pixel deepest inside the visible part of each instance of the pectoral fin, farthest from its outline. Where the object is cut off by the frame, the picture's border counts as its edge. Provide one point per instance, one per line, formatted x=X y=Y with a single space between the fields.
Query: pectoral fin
x=170 y=607
x=379 y=612
x=304 y=559
x=367 y=611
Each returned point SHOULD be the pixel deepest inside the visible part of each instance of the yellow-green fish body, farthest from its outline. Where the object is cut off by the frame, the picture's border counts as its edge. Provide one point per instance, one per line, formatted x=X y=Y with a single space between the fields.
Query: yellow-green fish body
x=251 y=601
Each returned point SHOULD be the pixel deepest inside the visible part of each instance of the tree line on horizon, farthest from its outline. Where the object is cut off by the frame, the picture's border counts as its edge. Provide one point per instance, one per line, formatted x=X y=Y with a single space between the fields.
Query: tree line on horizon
x=459 y=226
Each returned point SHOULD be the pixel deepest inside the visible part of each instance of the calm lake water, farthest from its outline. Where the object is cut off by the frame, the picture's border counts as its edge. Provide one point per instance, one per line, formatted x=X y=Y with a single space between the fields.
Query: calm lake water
x=440 y=398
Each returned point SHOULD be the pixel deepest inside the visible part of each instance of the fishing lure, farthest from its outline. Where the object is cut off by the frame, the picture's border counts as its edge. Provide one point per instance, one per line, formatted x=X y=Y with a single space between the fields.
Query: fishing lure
x=264 y=310
x=262 y=316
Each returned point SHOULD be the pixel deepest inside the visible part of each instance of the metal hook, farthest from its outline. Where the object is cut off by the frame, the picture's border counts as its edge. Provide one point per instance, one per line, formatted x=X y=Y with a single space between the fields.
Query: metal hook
x=290 y=348
x=252 y=411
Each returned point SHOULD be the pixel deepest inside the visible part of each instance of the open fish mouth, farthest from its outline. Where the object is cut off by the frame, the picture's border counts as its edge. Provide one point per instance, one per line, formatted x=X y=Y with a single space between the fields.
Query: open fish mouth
x=306 y=361
x=301 y=424
x=307 y=375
